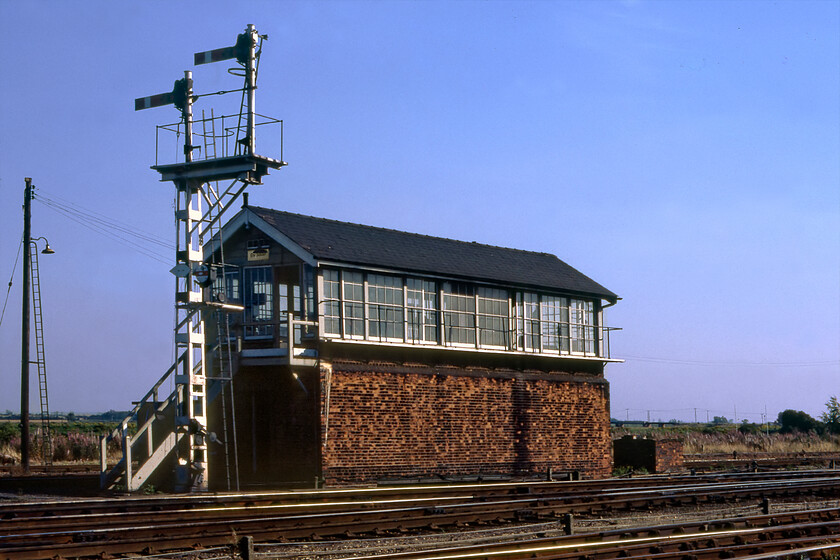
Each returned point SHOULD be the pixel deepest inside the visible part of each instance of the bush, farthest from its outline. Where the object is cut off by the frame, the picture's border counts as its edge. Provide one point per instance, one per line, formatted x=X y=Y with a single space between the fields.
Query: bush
x=75 y=447
x=716 y=429
x=748 y=428
x=8 y=430
x=797 y=421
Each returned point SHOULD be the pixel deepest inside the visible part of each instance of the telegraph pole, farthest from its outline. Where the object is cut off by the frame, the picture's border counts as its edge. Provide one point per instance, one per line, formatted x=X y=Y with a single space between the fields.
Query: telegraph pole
x=24 y=333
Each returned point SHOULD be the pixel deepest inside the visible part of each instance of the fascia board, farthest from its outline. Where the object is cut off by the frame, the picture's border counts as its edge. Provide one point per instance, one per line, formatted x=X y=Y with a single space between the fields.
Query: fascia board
x=245 y=217
x=281 y=238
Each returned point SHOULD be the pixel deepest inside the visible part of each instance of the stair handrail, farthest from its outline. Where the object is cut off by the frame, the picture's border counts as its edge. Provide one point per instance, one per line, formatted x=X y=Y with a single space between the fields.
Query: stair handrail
x=122 y=427
x=153 y=392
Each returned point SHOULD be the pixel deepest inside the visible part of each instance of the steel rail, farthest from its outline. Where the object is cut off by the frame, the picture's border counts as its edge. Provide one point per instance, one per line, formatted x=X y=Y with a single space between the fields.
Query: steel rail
x=720 y=539
x=460 y=504
x=124 y=533
x=161 y=503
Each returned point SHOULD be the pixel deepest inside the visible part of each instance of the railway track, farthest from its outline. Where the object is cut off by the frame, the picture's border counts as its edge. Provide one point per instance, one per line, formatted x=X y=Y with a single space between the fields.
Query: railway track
x=761 y=460
x=148 y=524
x=808 y=534
x=588 y=488
x=56 y=469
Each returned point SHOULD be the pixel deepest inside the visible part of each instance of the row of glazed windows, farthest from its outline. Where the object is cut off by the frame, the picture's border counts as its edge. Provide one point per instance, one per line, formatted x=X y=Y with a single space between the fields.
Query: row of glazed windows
x=385 y=308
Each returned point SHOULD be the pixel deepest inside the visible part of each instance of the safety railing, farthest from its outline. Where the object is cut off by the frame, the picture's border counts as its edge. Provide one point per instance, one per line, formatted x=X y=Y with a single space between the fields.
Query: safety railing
x=477 y=331
x=213 y=137
x=156 y=419
x=151 y=404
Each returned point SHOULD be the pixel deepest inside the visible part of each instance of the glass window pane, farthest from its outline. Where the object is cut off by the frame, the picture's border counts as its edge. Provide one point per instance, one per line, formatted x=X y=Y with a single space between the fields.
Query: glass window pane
x=422 y=310
x=385 y=307
x=227 y=285
x=259 y=302
x=331 y=306
x=493 y=317
x=354 y=311
x=582 y=322
x=459 y=313
x=532 y=321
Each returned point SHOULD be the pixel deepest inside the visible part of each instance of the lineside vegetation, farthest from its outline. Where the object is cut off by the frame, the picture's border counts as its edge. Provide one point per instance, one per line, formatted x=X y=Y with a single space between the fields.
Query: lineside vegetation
x=793 y=431
x=72 y=441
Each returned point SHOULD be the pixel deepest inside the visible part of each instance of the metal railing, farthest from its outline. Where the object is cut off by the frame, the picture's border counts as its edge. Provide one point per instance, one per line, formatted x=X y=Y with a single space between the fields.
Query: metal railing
x=145 y=434
x=224 y=133
x=156 y=419
x=470 y=330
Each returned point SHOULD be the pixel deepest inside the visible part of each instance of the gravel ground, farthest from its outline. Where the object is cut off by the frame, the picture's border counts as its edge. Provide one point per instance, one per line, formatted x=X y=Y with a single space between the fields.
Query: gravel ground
x=335 y=549
x=368 y=546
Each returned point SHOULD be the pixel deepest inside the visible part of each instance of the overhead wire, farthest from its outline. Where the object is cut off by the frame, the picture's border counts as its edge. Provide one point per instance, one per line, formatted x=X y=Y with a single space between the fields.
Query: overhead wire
x=133 y=238
x=11 y=278
x=101 y=218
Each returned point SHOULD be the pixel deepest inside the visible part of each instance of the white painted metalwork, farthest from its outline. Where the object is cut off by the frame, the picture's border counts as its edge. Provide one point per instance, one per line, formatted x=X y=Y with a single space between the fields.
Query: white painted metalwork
x=178 y=425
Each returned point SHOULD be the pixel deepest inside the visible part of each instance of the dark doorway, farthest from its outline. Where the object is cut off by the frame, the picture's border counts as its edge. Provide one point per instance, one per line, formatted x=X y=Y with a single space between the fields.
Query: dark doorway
x=277 y=426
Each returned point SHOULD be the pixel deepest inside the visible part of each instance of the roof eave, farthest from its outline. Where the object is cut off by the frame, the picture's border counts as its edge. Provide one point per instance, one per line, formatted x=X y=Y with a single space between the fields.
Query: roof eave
x=247 y=217
x=605 y=295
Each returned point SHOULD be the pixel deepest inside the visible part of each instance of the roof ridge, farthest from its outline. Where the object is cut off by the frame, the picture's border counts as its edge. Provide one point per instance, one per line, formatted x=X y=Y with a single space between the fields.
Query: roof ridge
x=380 y=228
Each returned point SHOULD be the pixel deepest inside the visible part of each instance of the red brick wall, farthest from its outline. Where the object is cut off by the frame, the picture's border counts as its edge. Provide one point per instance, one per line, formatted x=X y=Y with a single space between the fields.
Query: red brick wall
x=669 y=455
x=379 y=422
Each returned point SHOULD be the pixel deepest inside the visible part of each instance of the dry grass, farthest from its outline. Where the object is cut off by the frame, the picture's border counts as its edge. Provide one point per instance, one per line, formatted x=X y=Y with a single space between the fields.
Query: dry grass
x=729 y=440
x=66 y=448
x=735 y=441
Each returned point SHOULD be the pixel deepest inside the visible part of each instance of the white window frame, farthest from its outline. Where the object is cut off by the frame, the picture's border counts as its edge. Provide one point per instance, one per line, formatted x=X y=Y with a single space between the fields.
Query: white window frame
x=423 y=311
x=248 y=293
x=398 y=308
x=502 y=298
x=536 y=322
x=345 y=302
x=465 y=329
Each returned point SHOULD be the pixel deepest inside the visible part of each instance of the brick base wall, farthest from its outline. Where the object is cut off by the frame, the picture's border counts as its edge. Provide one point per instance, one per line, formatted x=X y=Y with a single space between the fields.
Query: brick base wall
x=669 y=455
x=386 y=422
x=655 y=456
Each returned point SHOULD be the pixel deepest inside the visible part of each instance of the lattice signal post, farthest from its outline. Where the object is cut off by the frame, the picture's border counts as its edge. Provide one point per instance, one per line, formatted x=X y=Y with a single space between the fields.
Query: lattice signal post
x=192 y=179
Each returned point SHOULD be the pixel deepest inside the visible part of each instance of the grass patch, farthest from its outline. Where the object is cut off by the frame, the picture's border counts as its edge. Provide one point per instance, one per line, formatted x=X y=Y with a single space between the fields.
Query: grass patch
x=71 y=441
x=729 y=438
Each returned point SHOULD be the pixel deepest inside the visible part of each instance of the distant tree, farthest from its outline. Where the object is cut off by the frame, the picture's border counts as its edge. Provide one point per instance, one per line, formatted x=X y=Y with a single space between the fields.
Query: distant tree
x=831 y=416
x=71 y=416
x=796 y=421
x=748 y=428
x=718 y=420
x=110 y=416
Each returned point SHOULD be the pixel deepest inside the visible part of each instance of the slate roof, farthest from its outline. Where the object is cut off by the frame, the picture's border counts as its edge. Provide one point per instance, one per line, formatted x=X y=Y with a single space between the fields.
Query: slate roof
x=357 y=244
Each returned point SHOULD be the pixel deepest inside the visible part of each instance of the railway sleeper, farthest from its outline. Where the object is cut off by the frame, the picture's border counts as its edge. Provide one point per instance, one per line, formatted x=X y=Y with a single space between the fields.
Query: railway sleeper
x=525 y=515
x=87 y=538
x=437 y=510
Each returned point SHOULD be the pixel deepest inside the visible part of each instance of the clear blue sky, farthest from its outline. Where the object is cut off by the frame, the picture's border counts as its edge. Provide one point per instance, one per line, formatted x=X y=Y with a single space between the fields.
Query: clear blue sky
x=683 y=154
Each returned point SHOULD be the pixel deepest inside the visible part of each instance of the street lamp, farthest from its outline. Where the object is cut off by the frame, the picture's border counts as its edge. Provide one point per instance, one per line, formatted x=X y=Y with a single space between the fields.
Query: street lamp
x=47 y=249
x=24 y=343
